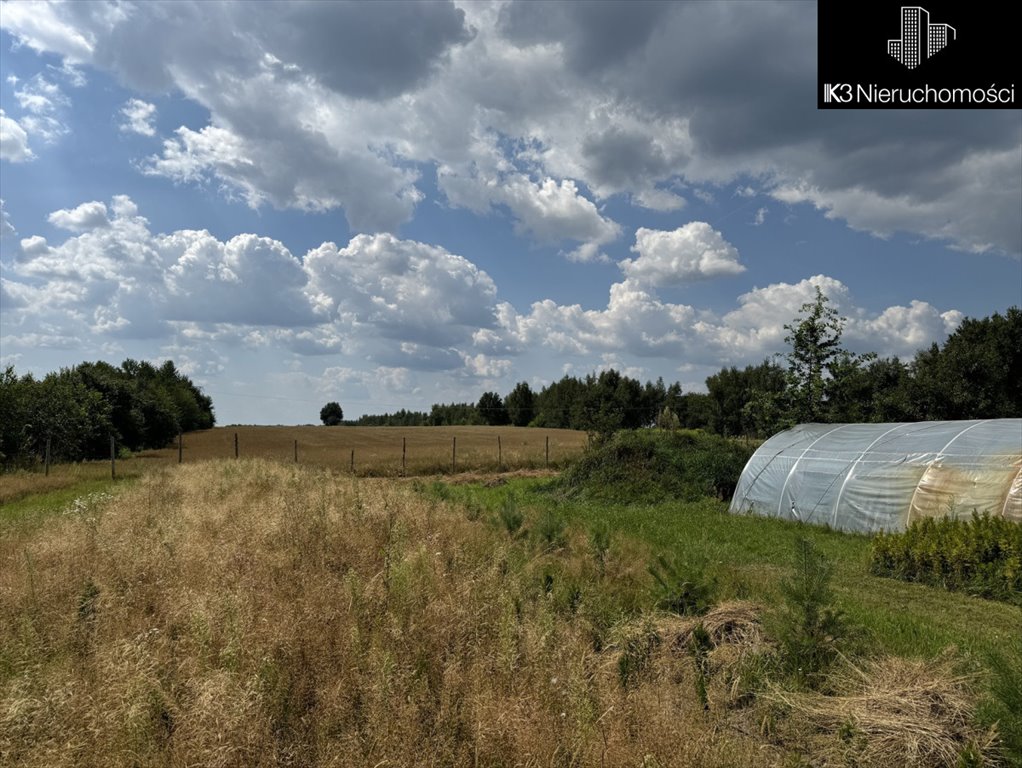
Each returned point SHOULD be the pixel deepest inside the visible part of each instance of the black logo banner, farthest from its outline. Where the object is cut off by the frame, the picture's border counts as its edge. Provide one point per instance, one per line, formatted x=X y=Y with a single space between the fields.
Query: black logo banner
x=938 y=54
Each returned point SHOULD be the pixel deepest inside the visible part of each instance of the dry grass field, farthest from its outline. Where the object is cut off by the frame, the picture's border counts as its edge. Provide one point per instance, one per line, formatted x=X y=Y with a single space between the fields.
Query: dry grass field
x=378 y=450
x=261 y=612
x=258 y=613
x=255 y=613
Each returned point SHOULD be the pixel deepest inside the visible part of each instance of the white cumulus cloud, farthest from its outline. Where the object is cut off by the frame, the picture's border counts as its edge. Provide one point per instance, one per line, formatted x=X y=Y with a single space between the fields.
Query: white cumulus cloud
x=81 y=219
x=695 y=251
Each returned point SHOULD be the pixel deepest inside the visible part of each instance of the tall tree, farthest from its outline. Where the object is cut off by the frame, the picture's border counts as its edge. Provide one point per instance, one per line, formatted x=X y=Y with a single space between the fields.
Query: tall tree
x=331 y=414
x=977 y=374
x=491 y=409
x=520 y=404
x=816 y=353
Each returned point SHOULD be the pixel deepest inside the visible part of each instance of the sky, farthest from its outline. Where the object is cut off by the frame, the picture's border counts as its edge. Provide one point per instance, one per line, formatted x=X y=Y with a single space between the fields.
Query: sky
x=396 y=204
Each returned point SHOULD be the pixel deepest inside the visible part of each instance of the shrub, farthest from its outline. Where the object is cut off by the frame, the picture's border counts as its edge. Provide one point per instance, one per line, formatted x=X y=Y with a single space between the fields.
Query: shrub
x=647 y=466
x=681 y=589
x=981 y=556
x=511 y=516
x=811 y=629
x=1003 y=706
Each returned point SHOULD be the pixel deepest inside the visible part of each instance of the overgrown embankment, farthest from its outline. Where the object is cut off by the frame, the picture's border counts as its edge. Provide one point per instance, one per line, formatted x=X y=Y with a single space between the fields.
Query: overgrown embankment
x=653 y=465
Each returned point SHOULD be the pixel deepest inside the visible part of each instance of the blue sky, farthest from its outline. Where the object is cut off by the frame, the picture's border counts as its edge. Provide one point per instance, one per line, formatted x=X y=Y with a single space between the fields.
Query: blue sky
x=395 y=204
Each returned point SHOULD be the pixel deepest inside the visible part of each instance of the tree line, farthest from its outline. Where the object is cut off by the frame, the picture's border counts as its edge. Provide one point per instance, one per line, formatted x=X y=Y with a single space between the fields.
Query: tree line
x=77 y=409
x=975 y=374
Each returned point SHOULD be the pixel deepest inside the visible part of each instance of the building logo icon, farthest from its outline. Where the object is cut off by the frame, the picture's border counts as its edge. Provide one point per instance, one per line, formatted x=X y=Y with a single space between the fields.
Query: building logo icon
x=919 y=38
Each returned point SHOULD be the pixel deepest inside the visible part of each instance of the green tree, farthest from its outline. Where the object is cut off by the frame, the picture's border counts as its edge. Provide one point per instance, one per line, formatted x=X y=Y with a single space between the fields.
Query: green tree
x=694 y=409
x=15 y=406
x=331 y=414
x=977 y=374
x=748 y=401
x=816 y=355
x=520 y=404
x=559 y=405
x=491 y=409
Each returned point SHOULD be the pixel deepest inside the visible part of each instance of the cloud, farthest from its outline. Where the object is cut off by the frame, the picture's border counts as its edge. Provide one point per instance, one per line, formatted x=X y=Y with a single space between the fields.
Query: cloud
x=902 y=330
x=116 y=278
x=248 y=280
x=638 y=324
x=391 y=309
x=42 y=29
x=42 y=102
x=302 y=171
x=967 y=203
x=634 y=320
x=8 y=234
x=13 y=141
x=553 y=212
x=485 y=367
x=694 y=251
x=81 y=219
x=547 y=211
x=363 y=50
x=403 y=303
x=403 y=291
x=325 y=106
x=138 y=117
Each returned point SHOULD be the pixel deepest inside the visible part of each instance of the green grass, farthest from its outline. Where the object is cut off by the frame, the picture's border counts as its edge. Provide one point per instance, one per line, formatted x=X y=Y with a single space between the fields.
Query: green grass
x=33 y=509
x=748 y=556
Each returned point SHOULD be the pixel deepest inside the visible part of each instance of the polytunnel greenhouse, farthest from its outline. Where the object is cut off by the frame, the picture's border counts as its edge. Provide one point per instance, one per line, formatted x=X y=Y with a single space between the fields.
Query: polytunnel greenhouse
x=881 y=477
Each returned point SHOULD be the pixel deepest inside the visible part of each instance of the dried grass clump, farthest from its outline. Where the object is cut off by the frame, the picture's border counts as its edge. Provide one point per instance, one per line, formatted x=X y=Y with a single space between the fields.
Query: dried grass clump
x=897 y=712
x=735 y=622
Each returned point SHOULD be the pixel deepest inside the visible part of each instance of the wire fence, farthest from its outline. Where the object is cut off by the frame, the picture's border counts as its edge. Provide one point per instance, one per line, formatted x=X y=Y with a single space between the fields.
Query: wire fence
x=364 y=451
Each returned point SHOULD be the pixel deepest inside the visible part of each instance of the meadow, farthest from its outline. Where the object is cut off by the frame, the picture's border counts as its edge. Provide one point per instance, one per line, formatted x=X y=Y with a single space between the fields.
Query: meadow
x=363 y=451
x=258 y=612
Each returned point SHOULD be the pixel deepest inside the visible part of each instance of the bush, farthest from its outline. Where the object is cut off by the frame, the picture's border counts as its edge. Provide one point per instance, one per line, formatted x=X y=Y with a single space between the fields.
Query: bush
x=681 y=589
x=811 y=630
x=981 y=556
x=648 y=466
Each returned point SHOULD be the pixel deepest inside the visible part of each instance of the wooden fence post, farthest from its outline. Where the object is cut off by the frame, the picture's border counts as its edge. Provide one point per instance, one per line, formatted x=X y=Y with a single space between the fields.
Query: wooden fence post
x=235 y=445
x=548 y=450
x=403 y=454
x=47 y=457
x=498 y=453
x=352 y=461
x=113 y=456
x=296 y=451
x=454 y=454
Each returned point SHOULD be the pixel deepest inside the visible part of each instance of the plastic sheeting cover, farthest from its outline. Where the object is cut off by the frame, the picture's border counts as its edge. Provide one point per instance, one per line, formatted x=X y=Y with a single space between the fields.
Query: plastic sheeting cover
x=873 y=477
